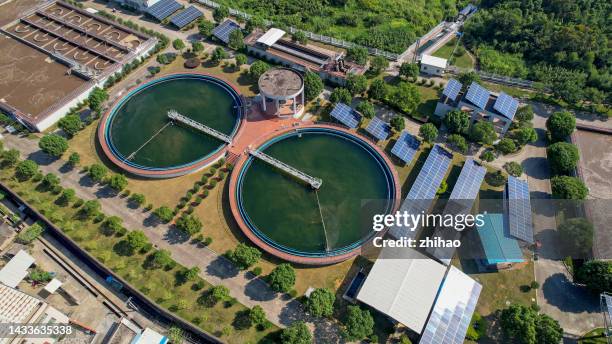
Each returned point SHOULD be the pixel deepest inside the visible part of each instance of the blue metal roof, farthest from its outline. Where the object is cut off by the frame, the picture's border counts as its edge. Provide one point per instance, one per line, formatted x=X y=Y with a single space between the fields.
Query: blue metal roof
x=498 y=245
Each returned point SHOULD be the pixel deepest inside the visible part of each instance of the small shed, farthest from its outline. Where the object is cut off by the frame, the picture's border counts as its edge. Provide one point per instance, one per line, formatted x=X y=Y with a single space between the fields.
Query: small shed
x=433 y=65
x=53 y=286
x=16 y=269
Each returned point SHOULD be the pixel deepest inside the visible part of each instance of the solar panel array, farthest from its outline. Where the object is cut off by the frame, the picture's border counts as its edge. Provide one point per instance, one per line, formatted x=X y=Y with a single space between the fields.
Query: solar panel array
x=452 y=89
x=506 y=105
x=519 y=209
x=453 y=310
x=378 y=128
x=405 y=147
x=477 y=95
x=346 y=115
x=468 y=183
x=163 y=9
x=186 y=17
x=424 y=188
x=223 y=31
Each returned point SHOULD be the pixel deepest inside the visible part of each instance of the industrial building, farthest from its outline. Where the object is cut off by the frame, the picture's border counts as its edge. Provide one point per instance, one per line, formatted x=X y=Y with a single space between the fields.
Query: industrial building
x=55 y=54
x=272 y=46
x=433 y=65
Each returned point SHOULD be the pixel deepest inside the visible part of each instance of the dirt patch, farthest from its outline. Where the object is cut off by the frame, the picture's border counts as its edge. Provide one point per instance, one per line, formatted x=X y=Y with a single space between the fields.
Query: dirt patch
x=595 y=162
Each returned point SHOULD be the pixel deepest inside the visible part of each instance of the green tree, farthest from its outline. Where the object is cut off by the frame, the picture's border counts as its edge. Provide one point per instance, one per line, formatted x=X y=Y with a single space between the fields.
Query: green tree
x=53 y=144
x=191 y=274
x=219 y=293
x=189 y=224
x=483 y=132
x=597 y=275
x=244 y=256
x=282 y=278
x=563 y=157
x=296 y=333
x=205 y=27
x=96 y=98
x=112 y=225
x=358 y=55
x=67 y=196
x=255 y=22
x=513 y=168
x=97 y=172
x=50 y=181
x=10 y=157
x=341 y=95
x=175 y=335
x=90 y=209
x=178 y=44
x=30 y=234
x=572 y=188
x=428 y=132
x=236 y=40
x=313 y=85
x=218 y=55
x=164 y=213
x=74 y=159
x=300 y=36
x=71 y=124
x=320 y=303
x=524 y=114
x=487 y=156
x=358 y=324
x=366 y=109
x=524 y=135
x=506 y=146
x=467 y=78
x=160 y=259
x=405 y=97
x=378 y=64
x=257 y=69
x=397 y=123
x=409 y=70
x=458 y=143
x=548 y=330
x=220 y=13
x=26 y=169
x=519 y=322
x=378 y=90
x=136 y=240
x=356 y=84
x=241 y=59
x=577 y=234
x=197 y=47
x=560 y=125
x=257 y=316
x=118 y=182
x=457 y=121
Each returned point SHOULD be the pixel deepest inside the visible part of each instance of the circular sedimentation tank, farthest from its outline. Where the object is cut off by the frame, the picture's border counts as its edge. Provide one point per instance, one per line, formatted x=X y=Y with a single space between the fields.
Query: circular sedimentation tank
x=137 y=135
x=288 y=218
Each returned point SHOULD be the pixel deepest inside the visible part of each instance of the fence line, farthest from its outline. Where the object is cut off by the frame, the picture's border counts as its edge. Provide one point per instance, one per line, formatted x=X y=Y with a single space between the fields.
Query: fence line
x=502 y=79
x=310 y=35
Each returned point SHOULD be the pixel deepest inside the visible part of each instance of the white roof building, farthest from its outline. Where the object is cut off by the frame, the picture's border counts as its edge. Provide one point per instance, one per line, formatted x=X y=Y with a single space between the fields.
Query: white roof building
x=403 y=285
x=16 y=269
x=148 y=336
x=271 y=36
x=433 y=65
x=53 y=285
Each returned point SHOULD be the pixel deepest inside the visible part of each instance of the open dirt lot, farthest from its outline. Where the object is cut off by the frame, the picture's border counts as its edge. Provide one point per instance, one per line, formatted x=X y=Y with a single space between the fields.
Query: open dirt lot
x=596 y=162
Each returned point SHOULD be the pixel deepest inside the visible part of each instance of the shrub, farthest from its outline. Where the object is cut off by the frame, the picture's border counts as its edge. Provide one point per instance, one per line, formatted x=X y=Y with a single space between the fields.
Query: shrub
x=458 y=143
x=358 y=324
x=366 y=109
x=564 y=187
x=506 y=146
x=513 y=168
x=296 y=333
x=282 y=278
x=97 y=172
x=563 y=157
x=40 y=276
x=487 y=156
x=138 y=199
x=560 y=125
x=164 y=213
x=256 y=271
x=428 y=132
x=74 y=159
x=71 y=124
x=90 y=209
x=50 y=181
x=320 y=303
x=30 y=234
x=244 y=256
x=112 y=225
x=117 y=182
x=68 y=195
x=341 y=95
x=189 y=224
x=397 y=123
x=10 y=157
x=136 y=240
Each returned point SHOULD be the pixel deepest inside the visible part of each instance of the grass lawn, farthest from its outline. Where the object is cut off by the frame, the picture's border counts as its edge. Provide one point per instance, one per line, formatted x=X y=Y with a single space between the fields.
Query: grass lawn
x=595 y=336
x=513 y=91
x=463 y=61
x=160 y=285
x=429 y=99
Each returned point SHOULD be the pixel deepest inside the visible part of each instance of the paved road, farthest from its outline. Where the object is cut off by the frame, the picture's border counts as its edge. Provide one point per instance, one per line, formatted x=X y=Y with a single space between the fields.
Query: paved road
x=574 y=307
x=214 y=268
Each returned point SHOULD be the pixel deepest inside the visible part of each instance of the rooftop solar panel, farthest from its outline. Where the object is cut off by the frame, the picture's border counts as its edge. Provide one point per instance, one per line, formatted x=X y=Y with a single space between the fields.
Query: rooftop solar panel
x=506 y=105
x=452 y=89
x=477 y=95
x=468 y=183
x=346 y=115
x=405 y=147
x=453 y=309
x=186 y=17
x=519 y=209
x=424 y=188
x=378 y=128
x=223 y=31
x=163 y=9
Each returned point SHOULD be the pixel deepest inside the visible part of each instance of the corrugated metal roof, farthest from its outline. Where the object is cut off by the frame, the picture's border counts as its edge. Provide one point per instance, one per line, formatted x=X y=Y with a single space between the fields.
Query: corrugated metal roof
x=498 y=245
x=403 y=284
x=16 y=269
x=271 y=36
x=433 y=61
